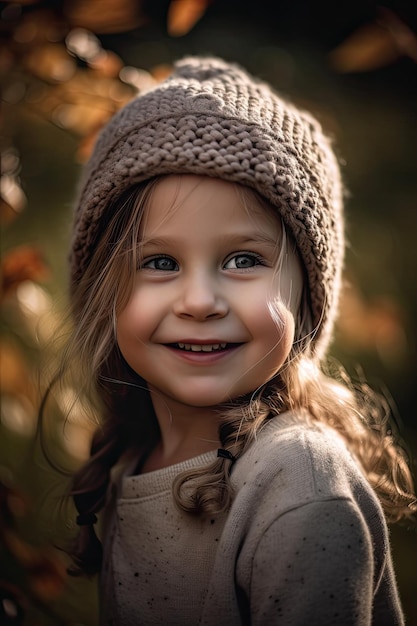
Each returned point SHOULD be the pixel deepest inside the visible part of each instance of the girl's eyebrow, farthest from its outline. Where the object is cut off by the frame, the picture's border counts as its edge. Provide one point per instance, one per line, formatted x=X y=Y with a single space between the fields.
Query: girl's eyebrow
x=258 y=237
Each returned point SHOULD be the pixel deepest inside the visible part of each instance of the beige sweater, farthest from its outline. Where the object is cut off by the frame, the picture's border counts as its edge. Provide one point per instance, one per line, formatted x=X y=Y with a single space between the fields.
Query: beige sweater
x=305 y=542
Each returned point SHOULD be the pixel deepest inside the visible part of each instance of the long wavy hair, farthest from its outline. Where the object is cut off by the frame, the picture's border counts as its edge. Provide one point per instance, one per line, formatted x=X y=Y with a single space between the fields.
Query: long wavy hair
x=327 y=394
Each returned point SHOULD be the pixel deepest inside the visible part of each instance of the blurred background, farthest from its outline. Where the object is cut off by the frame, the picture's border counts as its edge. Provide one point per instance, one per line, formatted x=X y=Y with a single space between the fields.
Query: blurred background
x=66 y=67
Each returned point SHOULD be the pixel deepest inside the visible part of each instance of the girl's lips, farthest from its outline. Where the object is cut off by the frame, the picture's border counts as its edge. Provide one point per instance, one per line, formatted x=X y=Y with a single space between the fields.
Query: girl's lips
x=202 y=352
x=202 y=346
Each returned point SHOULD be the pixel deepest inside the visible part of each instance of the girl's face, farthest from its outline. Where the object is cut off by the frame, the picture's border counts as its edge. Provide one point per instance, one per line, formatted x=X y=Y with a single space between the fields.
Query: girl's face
x=198 y=325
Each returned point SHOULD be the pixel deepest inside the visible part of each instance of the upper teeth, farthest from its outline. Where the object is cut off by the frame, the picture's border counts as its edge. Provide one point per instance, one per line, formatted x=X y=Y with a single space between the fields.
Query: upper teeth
x=195 y=347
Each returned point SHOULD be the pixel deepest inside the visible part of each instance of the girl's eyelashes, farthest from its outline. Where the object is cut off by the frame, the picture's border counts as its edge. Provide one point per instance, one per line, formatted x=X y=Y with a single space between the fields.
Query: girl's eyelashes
x=243 y=261
x=238 y=261
x=162 y=263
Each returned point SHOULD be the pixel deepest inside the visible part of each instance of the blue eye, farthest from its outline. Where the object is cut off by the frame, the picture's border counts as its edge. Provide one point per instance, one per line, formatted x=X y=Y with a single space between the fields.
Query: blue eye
x=161 y=263
x=243 y=261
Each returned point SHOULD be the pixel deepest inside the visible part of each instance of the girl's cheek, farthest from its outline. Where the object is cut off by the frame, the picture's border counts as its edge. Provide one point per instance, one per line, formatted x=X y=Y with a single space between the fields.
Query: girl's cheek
x=283 y=321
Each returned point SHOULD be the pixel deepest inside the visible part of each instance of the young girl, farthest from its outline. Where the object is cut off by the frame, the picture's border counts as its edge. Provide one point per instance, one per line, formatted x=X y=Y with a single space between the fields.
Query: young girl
x=237 y=482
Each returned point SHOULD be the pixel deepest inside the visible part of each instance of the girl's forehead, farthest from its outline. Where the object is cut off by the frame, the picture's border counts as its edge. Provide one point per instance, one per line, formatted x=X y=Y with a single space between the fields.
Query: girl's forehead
x=189 y=196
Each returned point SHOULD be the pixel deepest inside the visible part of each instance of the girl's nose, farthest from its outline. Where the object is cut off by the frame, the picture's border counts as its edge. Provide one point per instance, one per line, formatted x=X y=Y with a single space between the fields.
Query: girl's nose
x=200 y=298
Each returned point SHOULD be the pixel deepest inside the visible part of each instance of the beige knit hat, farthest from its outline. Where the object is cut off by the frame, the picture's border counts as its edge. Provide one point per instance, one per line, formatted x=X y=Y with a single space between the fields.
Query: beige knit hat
x=211 y=118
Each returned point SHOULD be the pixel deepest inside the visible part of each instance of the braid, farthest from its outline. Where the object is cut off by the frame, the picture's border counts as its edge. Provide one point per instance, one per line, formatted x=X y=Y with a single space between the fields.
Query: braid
x=89 y=489
x=120 y=433
x=208 y=491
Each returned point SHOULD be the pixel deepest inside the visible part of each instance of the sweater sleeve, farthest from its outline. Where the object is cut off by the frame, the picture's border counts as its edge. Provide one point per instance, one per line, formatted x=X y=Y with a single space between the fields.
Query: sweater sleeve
x=315 y=565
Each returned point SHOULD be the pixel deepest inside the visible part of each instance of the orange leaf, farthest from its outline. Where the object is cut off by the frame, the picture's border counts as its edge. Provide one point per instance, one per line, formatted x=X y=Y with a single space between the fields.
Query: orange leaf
x=15 y=375
x=23 y=552
x=37 y=27
x=183 y=15
x=161 y=71
x=50 y=62
x=47 y=577
x=84 y=102
x=7 y=212
x=375 y=45
x=107 y=64
x=21 y=264
x=368 y=48
x=104 y=16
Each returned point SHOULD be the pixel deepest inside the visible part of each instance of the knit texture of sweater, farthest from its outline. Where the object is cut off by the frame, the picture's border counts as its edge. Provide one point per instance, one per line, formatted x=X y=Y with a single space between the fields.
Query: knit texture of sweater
x=304 y=542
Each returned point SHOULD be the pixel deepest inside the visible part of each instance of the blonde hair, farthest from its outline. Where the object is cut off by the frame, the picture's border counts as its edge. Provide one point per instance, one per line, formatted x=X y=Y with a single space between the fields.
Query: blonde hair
x=358 y=414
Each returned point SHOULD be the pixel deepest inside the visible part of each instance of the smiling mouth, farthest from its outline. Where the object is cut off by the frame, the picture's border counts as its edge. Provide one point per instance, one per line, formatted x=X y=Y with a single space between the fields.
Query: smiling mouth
x=209 y=347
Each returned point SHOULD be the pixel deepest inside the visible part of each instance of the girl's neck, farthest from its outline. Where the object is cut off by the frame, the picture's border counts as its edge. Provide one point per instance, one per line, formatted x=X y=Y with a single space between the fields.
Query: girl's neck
x=157 y=458
x=186 y=432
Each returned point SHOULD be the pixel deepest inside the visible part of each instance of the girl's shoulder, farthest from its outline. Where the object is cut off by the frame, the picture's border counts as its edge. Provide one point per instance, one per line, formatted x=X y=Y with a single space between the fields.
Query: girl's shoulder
x=301 y=461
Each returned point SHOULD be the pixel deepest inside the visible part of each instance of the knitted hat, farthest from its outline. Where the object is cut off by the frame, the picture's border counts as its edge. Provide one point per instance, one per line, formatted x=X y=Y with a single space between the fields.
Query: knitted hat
x=212 y=118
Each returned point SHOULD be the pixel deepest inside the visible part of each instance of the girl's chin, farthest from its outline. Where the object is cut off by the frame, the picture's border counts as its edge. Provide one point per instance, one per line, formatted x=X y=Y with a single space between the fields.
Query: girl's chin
x=206 y=400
